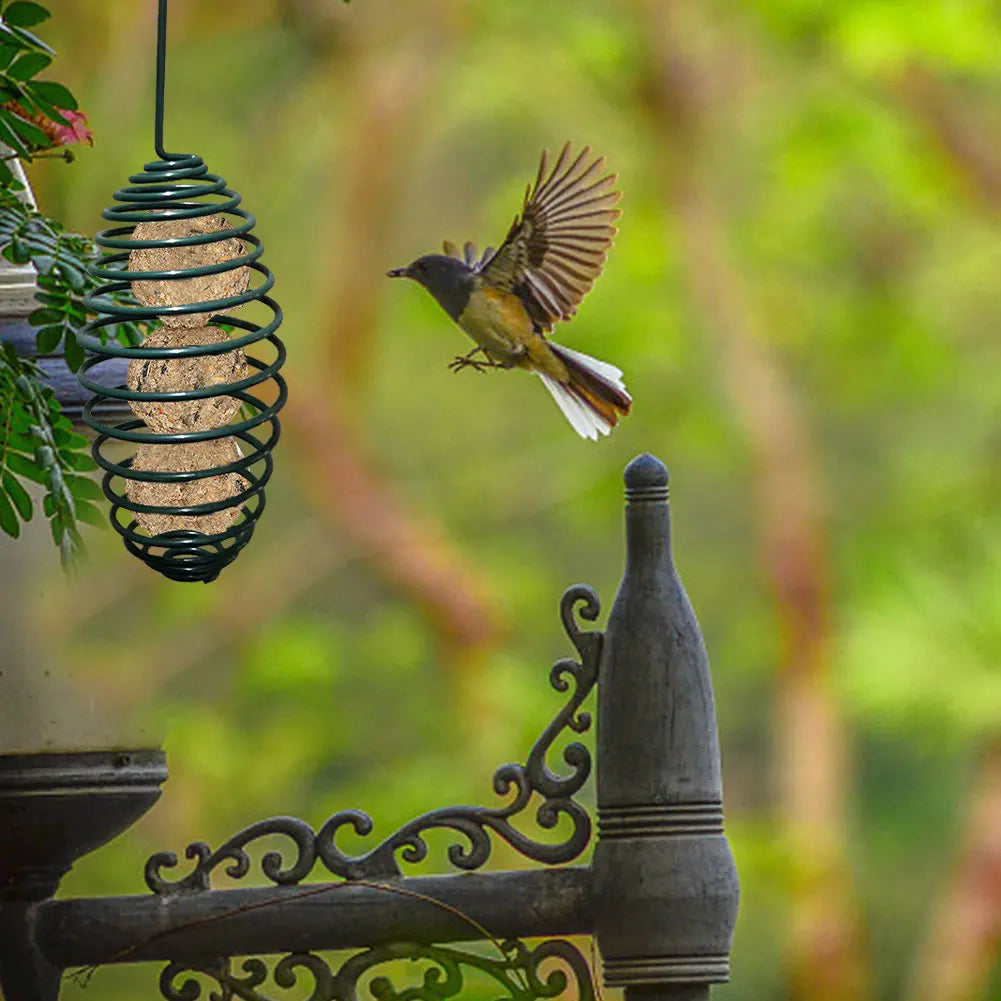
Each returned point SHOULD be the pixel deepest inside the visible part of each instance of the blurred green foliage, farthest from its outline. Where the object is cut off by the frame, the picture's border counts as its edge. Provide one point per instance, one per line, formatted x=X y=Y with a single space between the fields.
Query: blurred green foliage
x=308 y=679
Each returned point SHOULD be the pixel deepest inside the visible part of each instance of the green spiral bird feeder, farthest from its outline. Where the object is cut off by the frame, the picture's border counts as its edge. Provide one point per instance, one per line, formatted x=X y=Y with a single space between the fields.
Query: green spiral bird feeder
x=187 y=500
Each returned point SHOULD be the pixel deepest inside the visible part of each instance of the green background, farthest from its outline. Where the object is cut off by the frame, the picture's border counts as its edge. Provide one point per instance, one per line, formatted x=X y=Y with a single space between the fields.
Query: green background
x=804 y=298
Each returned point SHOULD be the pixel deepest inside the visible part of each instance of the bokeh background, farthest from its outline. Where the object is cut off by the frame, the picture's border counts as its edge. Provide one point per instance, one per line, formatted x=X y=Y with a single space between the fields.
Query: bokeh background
x=804 y=296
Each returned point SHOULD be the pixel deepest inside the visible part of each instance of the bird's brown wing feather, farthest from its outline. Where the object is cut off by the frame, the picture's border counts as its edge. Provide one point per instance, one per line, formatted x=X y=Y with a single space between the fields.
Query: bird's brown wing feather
x=469 y=255
x=557 y=247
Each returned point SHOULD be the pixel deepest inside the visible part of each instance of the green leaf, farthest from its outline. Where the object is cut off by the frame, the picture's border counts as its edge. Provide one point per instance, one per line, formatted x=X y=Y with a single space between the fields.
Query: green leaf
x=75 y=276
x=66 y=438
x=28 y=65
x=7 y=53
x=29 y=130
x=42 y=316
x=84 y=488
x=129 y=334
x=10 y=38
x=48 y=339
x=8 y=519
x=20 y=421
x=80 y=461
x=91 y=514
x=27 y=468
x=31 y=39
x=75 y=355
x=11 y=137
x=5 y=173
x=20 y=497
x=23 y=14
x=20 y=442
x=17 y=251
x=10 y=90
x=38 y=104
x=55 y=93
x=56 y=417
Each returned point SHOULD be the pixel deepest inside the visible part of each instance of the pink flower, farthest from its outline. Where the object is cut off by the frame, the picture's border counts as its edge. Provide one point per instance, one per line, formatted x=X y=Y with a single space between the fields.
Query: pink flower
x=75 y=132
x=60 y=135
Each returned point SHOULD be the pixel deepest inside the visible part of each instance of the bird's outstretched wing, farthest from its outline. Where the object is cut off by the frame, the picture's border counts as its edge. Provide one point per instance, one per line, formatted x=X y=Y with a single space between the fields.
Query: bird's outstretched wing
x=557 y=247
x=468 y=254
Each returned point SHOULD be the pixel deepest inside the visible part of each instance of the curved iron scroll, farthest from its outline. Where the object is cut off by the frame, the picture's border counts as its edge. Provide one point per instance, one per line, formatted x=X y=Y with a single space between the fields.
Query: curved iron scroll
x=518 y=973
x=474 y=823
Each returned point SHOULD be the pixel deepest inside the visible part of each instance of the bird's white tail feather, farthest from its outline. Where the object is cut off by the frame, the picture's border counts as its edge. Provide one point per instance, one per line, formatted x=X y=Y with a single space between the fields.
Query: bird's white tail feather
x=608 y=372
x=585 y=421
x=593 y=396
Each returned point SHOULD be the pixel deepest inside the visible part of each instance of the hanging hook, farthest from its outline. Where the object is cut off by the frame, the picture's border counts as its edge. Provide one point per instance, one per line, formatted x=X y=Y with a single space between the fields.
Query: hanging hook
x=161 y=71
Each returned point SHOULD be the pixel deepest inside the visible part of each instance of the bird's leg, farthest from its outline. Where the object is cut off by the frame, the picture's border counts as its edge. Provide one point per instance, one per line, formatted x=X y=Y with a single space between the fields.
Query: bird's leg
x=460 y=362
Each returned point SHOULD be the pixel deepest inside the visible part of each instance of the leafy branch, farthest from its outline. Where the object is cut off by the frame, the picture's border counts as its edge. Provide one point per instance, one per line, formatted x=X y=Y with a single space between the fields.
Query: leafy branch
x=36 y=440
x=37 y=443
x=34 y=114
x=61 y=260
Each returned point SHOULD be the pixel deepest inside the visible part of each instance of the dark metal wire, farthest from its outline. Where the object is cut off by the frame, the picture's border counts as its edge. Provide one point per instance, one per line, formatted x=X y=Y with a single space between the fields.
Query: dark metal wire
x=179 y=186
x=161 y=73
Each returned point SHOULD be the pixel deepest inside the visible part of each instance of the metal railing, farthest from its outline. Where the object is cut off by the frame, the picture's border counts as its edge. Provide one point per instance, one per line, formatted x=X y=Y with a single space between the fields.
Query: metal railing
x=660 y=897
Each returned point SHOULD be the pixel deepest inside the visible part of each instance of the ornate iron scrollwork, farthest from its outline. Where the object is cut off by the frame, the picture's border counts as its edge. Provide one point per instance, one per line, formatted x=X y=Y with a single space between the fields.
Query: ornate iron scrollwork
x=518 y=972
x=474 y=823
x=234 y=851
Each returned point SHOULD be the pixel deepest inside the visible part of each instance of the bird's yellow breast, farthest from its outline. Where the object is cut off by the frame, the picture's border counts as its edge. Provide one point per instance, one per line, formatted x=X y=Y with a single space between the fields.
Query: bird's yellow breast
x=497 y=321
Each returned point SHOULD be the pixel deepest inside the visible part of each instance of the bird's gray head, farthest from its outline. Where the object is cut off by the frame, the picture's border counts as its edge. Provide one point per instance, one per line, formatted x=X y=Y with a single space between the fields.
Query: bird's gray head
x=447 y=279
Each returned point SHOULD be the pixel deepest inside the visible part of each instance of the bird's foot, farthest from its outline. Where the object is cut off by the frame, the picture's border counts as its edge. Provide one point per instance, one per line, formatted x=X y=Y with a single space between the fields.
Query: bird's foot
x=460 y=362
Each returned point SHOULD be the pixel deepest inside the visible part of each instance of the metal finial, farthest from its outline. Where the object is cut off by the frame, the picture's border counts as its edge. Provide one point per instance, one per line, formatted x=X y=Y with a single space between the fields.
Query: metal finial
x=646 y=479
x=645 y=470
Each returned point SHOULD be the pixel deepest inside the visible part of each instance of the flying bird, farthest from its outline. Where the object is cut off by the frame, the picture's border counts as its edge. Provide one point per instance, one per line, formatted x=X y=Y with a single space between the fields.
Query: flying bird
x=509 y=299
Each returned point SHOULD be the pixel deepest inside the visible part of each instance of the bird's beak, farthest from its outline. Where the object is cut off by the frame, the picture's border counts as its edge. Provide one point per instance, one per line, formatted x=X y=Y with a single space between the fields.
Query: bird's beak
x=398 y=273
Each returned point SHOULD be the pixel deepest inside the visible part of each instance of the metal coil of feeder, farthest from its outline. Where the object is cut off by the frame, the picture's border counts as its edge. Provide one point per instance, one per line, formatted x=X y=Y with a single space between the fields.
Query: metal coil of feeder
x=199 y=211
